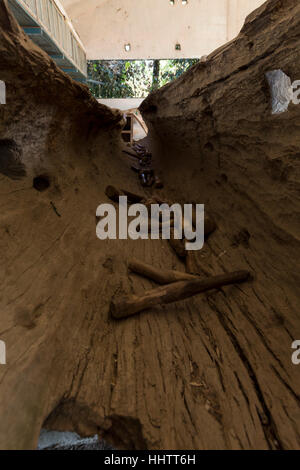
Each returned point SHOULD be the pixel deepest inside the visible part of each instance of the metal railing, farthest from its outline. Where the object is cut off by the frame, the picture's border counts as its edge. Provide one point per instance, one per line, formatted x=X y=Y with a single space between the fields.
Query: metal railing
x=52 y=19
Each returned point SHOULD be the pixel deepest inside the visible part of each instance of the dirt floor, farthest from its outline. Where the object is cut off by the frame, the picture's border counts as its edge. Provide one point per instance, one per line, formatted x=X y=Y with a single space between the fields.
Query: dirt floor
x=210 y=372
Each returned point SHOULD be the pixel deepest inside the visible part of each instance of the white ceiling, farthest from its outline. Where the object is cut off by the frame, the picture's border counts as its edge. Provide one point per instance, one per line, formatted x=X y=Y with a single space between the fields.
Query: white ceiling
x=152 y=28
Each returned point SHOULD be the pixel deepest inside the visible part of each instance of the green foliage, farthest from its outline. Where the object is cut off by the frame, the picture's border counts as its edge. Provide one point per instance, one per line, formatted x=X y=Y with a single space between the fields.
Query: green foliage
x=172 y=69
x=134 y=78
x=112 y=78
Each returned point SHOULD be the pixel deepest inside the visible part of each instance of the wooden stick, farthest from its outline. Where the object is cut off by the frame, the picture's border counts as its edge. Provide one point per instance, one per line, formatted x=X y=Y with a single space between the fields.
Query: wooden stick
x=114 y=194
x=209 y=226
x=178 y=246
x=162 y=276
x=132 y=197
x=162 y=225
x=132 y=153
x=132 y=304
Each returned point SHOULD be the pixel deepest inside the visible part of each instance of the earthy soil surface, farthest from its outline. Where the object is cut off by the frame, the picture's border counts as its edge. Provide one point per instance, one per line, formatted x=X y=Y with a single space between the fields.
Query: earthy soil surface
x=211 y=372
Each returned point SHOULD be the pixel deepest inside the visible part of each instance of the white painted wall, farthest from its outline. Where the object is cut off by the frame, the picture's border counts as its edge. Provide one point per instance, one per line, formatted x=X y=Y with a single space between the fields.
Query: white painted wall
x=154 y=27
x=238 y=10
x=124 y=104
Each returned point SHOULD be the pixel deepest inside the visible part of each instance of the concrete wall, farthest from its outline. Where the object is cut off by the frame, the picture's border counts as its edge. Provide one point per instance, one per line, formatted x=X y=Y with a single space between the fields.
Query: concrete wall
x=153 y=28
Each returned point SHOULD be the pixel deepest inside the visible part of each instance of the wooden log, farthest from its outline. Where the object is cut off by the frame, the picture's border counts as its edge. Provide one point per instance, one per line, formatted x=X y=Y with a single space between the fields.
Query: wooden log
x=209 y=225
x=132 y=304
x=162 y=225
x=153 y=200
x=161 y=276
x=178 y=246
x=114 y=193
x=132 y=153
x=132 y=197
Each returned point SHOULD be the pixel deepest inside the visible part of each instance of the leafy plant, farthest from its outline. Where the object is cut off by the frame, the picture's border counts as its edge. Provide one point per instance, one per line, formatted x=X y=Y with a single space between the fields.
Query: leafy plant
x=134 y=78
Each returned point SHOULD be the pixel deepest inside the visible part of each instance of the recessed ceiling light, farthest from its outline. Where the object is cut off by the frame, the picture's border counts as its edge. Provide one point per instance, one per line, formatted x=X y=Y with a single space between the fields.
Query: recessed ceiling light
x=127 y=47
